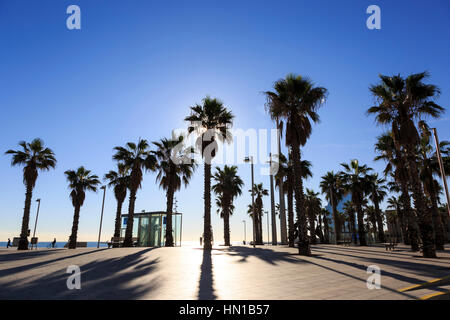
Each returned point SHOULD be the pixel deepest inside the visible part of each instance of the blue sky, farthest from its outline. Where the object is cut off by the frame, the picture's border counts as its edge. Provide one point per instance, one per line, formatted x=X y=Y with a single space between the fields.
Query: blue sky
x=136 y=66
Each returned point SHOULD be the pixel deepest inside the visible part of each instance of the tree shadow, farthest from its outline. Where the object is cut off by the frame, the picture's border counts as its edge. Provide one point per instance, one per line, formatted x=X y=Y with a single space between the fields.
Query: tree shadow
x=267 y=255
x=114 y=278
x=22 y=255
x=42 y=263
x=206 y=282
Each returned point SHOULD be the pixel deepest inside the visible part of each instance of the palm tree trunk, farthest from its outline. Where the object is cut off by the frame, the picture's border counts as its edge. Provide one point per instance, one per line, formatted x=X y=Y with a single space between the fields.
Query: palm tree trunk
x=361 y=228
x=437 y=223
x=353 y=225
x=207 y=217
x=337 y=224
x=226 y=223
x=312 y=227
x=379 y=220
x=423 y=215
x=411 y=235
x=128 y=241
x=290 y=203
x=73 y=236
x=23 y=242
x=169 y=208
x=326 y=229
x=117 y=223
x=303 y=243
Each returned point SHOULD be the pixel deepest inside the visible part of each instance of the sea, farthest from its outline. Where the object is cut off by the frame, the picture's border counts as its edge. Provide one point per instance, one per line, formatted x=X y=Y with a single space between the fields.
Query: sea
x=90 y=244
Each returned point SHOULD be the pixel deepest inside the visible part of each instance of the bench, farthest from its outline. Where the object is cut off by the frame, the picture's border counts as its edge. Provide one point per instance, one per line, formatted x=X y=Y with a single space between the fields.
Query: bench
x=33 y=243
x=390 y=246
x=119 y=241
x=345 y=243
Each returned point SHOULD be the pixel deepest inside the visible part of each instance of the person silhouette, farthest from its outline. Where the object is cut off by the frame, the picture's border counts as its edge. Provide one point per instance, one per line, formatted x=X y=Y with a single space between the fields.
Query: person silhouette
x=9 y=243
x=53 y=242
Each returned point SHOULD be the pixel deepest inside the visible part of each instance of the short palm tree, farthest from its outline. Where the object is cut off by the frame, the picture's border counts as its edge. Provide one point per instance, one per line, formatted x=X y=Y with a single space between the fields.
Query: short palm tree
x=138 y=158
x=285 y=172
x=330 y=185
x=227 y=187
x=174 y=167
x=313 y=208
x=259 y=192
x=119 y=180
x=80 y=181
x=210 y=120
x=355 y=181
x=400 y=102
x=34 y=157
x=296 y=100
x=392 y=155
x=350 y=211
x=377 y=193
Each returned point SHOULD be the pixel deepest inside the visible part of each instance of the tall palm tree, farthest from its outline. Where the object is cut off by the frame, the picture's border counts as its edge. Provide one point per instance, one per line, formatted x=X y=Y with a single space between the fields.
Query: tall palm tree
x=119 y=180
x=296 y=100
x=210 y=120
x=355 y=181
x=330 y=185
x=34 y=157
x=313 y=208
x=138 y=158
x=228 y=186
x=285 y=173
x=259 y=192
x=399 y=102
x=80 y=181
x=174 y=167
x=389 y=152
x=377 y=193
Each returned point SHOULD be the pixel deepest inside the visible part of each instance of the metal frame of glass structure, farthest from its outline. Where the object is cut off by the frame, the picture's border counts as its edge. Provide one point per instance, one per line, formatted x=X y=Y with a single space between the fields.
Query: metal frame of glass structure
x=150 y=228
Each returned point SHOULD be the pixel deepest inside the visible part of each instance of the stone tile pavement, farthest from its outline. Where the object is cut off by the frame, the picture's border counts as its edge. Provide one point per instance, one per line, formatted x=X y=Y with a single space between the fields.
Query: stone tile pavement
x=239 y=272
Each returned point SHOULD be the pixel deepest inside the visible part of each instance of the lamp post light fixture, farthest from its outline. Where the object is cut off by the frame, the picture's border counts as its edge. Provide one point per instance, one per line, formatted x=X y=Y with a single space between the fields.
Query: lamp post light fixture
x=101 y=216
x=247 y=160
x=441 y=166
x=37 y=215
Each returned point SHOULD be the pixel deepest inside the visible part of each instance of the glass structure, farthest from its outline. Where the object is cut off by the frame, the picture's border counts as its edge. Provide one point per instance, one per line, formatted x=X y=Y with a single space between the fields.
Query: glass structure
x=150 y=228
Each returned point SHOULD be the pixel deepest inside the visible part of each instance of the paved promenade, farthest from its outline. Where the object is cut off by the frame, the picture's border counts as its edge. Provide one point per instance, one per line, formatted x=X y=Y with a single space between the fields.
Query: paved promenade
x=240 y=272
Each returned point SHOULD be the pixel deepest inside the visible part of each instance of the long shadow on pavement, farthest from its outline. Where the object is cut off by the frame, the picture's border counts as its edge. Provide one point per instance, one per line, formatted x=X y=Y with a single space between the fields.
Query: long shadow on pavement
x=206 y=282
x=100 y=279
x=267 y=255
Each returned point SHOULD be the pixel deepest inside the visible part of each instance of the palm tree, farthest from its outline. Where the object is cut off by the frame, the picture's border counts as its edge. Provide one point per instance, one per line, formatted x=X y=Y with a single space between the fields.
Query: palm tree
x=326 y=227
x=296 y=100
x=387 y=151
x=313 y=208
x=80 y=181
x=119 y=180
x=285 y=172
x=377 y=194
x=138 y=158
x=34 y=157
x=355 y=181
x=350 y=211
x=331 y=187
x=399 y=103
x=210 y=120
x=172 y=174
x=228 y=186
x=395 y=203
x=429 y=167
x=259 y=192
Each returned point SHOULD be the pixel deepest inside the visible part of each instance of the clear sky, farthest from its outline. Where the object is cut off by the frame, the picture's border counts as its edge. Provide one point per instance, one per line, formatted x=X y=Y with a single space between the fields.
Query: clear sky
x=135 y=67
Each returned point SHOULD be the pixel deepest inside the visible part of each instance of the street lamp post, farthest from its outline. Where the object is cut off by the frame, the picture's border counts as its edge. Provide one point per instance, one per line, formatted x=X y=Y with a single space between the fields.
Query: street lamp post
x=441 y=166
x=250 y=159
x=37 y=215
x=245 y=231
x=101 y=216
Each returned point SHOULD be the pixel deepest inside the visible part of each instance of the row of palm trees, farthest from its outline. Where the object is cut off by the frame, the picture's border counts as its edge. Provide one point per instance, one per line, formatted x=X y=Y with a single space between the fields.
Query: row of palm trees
x=293 y=105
